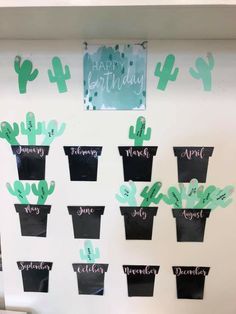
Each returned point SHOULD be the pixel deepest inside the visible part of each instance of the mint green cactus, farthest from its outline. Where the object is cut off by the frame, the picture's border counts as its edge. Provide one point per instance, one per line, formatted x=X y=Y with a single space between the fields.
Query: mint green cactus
x=20 y=191
x=150 y=195
x=220 y=197
x=191 y=193
x=204 y=197
x=59 y=77
x=165 y=74
x=30 y=129
x=42 y=191
x=173 y=197
x=203 y=71
x=9 y=133
x=24 y=72
x=127 y=194
x=138 y=135
x=89 y=254
x=51 y=131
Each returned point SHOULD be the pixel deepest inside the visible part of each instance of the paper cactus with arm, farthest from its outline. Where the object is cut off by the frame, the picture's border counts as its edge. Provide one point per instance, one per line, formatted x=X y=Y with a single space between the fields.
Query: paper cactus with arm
x=51 y=131
x=138 y=134
x=24 y=72
x=220 y=197
x=204 y=197
x=43 y=191
x=127 y=194
x=89 y=254
x=59 y=76
x=9 y=133
x=190 y=193
x=30 y=129
x=20 y=191
x=203 y=71
x=165 y=74
x=173 y=197
x=150 y=195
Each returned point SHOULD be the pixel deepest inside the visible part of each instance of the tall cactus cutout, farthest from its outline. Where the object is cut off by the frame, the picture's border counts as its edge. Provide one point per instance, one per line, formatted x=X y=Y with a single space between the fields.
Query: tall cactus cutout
x=29 y=128
x=42 y=191
x=127 y=194
x=89 y=254
x=173 y=197
x=20 y=191
x=150 y=195
x=166 y=73
x=9 y=133
x=59 y=76
x=25 y=73
x=138 y=134
x=51 y=131
x=203 y=71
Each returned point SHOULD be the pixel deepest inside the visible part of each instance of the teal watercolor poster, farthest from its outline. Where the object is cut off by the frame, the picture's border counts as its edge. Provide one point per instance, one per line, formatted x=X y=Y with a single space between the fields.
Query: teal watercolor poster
x=115 y=77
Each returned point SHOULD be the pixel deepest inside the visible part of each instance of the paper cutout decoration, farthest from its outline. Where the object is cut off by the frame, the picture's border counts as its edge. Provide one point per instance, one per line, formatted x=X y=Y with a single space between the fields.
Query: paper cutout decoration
x=192 y=162
x=151 y=195
x=190 y=281
x=127 y=194
x=35 y=275
x=83 y=162
x=203 y=71
x=166 y=73
x=25 y=73
x=60 y=76
x=140 y=279
x=137 y=160
x=9 y=133
x=115 y=77
x=86 y=221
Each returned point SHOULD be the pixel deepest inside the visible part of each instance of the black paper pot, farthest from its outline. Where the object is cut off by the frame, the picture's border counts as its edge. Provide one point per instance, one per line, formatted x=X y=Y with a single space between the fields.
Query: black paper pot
x=138 y=222
x=190 y=224
x=140 y=279
x=30 y=160
x=83 y=162
x=90 y=277
x=86 y=221
x=137 y=162
x=192 y=162
x=35 y=275
x=190 y=281
x=33 y=219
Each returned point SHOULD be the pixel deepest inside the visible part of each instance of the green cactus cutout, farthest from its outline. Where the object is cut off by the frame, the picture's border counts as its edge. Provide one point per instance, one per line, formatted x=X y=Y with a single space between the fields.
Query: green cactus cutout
x=220 y=198
x=20 y=191
x=150 y=195
x=138 y=134
x=29 y=128
x=88 y=253
x=43 y=191
x=9 y=133
x=203 y=71
x=190 y=193
x=51 y=131
x=173 y=197
x=127 y=194
x=59 y=76
x=204 y=197
x=165 y=74
x=24 y=72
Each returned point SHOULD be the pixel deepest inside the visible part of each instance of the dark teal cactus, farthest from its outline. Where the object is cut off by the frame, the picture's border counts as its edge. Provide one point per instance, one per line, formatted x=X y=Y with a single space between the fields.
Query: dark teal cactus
x=51 y=131
x=29 y=128
x=60 y=76
x=138 y=134
x=19 y=190
x=166 y=73
x=9 y=133
x=89 y=254
x=127 y=194
x=24 y=72
x=43 y=191
x=150 y=195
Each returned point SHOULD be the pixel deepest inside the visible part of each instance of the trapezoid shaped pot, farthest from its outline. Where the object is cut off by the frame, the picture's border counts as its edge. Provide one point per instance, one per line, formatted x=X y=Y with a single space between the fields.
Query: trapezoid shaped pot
x=190 y=281
x=31 y=161
x=138 y=222
x=86 y=221
x=35 y=275
x=137 y=162
x=90 y=277
x=140 y=279
x=83 y=162
x=192 y=162
x=190 y=224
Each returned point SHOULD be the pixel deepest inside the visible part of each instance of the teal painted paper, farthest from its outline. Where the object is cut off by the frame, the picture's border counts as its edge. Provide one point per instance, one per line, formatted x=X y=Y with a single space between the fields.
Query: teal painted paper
x=59 y=74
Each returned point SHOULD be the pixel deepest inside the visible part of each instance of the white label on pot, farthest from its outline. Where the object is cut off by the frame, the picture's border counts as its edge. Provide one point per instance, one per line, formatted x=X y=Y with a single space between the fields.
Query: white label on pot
x=32 y=210
x=84 y=152
x=191 y=215
x=93 y=268
x=31 y=265
x=193 y=272
x=189 y=153
x=29 y=150
x=140 y=271
x=139 y=212
x=85 y=210
x=132 y=152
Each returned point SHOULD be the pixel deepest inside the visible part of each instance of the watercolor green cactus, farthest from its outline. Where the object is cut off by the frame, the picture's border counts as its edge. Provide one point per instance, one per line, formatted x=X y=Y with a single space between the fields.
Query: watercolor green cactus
x=203 y=71
x=30 y=128
x=151 y=194
x=138 y=133
x=43 y=190
x=19 y=190
x=89 y=254
x=60 y=75
x=51 y=131
x=25 y=73
x=9 y=133
x=127 y=194
x=167 y=73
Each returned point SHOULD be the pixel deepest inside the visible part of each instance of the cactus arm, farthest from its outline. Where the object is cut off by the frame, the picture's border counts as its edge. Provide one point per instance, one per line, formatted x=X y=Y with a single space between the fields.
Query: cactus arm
x=132 y=186
x=67 y=72
x=52 y=78
x=194 y=74
x=51 y=188
x=82 y=255
x=158 y=69
x=33 y=75
x=131 y=132
x=174 y=75
x=173 y=197
x=211 y=61
x=147 y=136
x=62 y=129
x=17 y=64
x=10 y=189
x=120 y=199
x=158 y=199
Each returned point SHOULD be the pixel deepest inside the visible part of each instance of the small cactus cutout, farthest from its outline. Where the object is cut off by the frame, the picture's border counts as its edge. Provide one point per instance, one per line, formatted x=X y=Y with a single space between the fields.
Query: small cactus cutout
x=127 y=194
x=30 y=128
x=43 y=191
x=19 y=190
x=138 y=133
x=150 y=195
x=167 y=73
x=60 y=75
x=203 y=71
x=89 y=254
x=9 y=133
x=51 y=131
x=25 y=73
